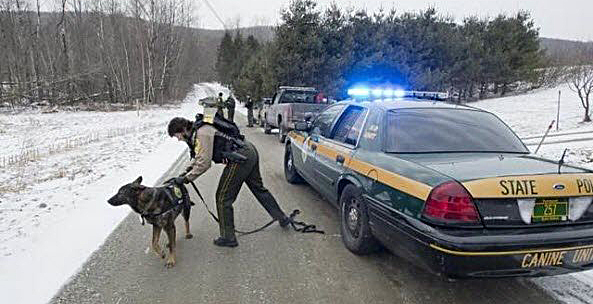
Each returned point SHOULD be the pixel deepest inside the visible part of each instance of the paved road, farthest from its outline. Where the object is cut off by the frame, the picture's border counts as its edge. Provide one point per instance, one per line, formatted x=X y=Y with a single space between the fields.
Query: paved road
x=273 y=266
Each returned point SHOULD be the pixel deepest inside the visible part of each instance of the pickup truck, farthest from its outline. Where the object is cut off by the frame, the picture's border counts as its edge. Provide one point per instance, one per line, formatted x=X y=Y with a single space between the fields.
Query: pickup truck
x=289 y=105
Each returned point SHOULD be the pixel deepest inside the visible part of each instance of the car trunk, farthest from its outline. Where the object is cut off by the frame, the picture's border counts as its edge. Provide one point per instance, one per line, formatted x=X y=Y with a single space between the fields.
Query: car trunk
x=518 y=191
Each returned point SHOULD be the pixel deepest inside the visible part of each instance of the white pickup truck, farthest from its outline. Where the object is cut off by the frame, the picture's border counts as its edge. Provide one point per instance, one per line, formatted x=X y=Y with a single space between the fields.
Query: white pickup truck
x=289 y=105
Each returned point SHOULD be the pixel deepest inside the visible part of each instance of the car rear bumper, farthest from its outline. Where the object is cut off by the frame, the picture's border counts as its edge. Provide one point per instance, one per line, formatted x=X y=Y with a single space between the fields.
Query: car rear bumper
x=466 y=253
x=499 y=261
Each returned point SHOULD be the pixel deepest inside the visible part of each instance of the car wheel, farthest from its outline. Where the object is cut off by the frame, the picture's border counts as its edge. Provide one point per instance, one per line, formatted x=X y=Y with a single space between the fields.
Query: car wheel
x=267 y=128
x=290 y=172
x=281 y=134
x=354 y=222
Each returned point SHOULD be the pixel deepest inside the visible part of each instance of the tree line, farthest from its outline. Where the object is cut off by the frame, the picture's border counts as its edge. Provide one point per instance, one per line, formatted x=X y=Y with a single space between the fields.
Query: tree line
x=335 y=49
x=97 y=51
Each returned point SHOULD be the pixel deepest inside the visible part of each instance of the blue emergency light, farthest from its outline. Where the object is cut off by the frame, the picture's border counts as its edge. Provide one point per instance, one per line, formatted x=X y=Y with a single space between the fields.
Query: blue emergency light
x=377 y=93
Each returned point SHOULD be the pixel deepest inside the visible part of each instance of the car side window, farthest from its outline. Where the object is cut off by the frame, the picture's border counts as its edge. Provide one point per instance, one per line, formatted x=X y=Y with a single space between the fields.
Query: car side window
x=370 y=138
x=349 y=125
x=323 y=123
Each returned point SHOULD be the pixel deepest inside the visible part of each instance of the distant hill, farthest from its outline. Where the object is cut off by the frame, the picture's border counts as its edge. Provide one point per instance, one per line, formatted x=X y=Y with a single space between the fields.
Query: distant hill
x=566 y=51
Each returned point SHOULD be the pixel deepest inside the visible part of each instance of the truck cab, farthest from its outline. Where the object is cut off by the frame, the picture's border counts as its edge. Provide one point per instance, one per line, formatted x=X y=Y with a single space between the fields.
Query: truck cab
x=289 y=105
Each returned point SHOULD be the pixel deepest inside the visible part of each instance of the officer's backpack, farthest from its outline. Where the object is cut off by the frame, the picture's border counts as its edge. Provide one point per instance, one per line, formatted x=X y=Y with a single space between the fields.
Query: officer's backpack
x=221 y=124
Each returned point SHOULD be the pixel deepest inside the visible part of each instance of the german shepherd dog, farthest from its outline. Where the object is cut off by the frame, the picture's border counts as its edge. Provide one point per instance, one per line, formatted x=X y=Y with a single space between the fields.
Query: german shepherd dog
x=159 y=208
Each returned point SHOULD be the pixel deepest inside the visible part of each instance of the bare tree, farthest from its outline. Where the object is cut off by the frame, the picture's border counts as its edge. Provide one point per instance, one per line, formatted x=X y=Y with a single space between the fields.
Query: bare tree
x=580 y=80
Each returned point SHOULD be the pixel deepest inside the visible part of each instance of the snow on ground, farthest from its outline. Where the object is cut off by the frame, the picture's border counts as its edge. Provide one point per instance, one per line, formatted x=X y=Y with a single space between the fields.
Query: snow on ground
x=529 y=115
x=56 y=172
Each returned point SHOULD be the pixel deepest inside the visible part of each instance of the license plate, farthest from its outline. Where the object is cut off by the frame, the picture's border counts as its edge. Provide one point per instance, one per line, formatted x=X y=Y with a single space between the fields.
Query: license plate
x=550 y=210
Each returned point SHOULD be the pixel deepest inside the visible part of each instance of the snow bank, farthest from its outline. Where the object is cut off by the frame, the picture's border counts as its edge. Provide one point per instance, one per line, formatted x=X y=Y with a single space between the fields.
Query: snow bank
x=53 y=209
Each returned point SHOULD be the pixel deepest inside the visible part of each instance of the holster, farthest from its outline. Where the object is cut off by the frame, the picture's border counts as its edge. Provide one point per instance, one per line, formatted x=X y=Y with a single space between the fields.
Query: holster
x=234 y=157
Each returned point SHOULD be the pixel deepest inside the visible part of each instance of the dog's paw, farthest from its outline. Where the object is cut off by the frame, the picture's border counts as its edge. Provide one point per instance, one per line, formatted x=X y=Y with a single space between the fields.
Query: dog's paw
x=189 y=236
x=170 y=263
x=159 y=252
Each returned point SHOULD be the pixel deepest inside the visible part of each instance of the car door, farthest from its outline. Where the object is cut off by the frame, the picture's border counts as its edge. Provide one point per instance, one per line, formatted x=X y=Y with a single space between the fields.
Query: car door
x=335 y=150
x=322 y=126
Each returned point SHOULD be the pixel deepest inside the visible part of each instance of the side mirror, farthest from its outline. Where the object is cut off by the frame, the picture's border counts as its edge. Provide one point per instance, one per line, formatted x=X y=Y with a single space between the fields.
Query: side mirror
x=302 y=126
x=309 y=116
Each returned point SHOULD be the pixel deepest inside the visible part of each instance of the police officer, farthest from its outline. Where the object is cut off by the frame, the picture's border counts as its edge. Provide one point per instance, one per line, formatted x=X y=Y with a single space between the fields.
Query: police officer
x=230 y=107
x=242 y=166
x=220 y=105
x=260 y=107
x=249 y=106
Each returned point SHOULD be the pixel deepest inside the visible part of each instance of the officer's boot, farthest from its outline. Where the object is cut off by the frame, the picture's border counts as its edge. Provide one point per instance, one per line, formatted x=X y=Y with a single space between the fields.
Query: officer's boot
x=227 y=238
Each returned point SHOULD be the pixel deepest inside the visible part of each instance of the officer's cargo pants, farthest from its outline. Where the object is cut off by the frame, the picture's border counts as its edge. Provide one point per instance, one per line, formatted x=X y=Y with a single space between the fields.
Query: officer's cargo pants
x=230 y=183
x=231 y=114
x=250 y=117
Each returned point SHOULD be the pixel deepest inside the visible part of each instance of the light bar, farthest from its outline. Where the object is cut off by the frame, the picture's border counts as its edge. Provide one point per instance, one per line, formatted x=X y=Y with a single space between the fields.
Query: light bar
x=360 y=92
x=390 y=93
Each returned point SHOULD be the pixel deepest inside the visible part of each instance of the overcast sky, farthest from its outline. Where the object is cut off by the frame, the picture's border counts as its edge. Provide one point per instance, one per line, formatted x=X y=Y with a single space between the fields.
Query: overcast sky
x=563 y=19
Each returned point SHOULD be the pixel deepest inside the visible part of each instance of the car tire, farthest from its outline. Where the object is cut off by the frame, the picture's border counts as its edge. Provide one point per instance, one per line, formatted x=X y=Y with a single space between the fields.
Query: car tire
x=354 y=222
x=281 y=133
x=267 y=128
x=290 y=172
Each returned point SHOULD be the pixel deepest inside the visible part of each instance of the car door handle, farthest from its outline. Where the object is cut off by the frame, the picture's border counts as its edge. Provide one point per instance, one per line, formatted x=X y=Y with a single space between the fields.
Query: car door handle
x=313 y=147
x=340 y=159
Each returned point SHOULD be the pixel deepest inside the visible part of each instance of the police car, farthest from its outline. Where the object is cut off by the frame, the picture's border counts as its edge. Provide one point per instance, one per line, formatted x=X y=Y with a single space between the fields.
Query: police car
x=448 y=187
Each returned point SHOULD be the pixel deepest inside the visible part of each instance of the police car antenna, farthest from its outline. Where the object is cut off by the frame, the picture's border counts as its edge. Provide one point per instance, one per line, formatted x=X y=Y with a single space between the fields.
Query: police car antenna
x=561 y=161
x=544 y=137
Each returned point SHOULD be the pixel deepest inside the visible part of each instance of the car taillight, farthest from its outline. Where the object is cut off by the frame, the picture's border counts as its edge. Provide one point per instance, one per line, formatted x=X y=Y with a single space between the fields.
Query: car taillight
x=450 y=203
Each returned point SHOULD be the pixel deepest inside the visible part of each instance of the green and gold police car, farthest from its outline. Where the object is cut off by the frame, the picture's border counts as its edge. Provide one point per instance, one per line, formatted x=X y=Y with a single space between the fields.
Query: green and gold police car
x=449 y=187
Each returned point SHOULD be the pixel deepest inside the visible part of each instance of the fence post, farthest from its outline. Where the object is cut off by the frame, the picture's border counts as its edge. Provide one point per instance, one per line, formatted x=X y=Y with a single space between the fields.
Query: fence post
x=558 y=113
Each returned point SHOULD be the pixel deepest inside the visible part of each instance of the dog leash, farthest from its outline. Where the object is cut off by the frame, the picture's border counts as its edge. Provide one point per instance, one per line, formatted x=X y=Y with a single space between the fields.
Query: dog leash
x=296 y=225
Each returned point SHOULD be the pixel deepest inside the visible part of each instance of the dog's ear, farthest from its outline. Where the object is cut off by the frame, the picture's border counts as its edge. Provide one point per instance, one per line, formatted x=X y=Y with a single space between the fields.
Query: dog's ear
x=136 y=184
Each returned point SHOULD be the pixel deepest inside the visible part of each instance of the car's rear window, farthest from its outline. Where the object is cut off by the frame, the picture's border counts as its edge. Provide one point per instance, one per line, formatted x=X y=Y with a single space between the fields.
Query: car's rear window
x=298 y=97
x=448 y=130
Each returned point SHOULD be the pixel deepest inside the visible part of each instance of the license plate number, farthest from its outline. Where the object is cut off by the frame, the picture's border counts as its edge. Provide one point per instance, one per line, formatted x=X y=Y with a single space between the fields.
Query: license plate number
x=550 y=210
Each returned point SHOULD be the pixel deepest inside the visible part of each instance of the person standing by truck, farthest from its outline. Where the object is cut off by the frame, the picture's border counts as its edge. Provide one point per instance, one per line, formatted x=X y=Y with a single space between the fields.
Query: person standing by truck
x=249 y=106
x=220 y=105
x=230 y=107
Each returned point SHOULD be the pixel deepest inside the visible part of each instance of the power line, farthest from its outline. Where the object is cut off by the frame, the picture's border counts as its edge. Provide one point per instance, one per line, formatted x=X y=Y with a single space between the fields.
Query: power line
x=215 y=13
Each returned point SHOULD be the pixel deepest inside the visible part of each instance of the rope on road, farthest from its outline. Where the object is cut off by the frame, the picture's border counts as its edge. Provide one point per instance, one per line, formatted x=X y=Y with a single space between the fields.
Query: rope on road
x=296 y=225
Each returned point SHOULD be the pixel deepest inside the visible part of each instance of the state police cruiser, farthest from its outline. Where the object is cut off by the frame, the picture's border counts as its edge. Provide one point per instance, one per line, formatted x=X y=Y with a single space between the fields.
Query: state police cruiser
x=213 y=138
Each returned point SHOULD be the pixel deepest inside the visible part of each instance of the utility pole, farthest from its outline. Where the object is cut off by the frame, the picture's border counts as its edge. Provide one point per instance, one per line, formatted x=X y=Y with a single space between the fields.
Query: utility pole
x=558 y=113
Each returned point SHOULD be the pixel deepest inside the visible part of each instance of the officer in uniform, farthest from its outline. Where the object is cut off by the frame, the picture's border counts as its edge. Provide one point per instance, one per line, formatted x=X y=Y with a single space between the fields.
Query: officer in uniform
x=220 y=105
x=230 y=108
x=249 y=106
x=242 y=166
x=260 y=107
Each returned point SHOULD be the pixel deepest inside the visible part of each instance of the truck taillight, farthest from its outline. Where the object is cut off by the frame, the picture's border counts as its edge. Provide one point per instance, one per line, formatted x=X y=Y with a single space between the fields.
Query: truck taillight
x=450 y=203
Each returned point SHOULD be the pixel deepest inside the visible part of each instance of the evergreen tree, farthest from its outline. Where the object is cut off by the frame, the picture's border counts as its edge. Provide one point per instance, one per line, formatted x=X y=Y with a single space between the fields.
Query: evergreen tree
x=225 y=59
